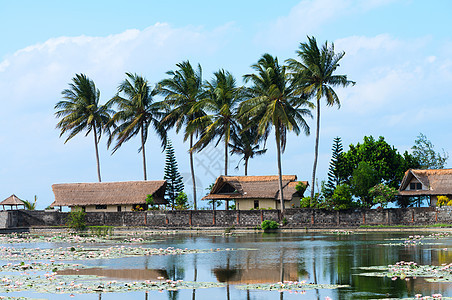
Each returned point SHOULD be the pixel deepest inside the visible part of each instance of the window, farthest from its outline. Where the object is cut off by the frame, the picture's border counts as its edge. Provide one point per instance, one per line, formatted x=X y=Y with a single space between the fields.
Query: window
x=418 y=186
x=412 y=186
x=83 y=208
x=119 y=207
x=101 y=206
x=256 y=204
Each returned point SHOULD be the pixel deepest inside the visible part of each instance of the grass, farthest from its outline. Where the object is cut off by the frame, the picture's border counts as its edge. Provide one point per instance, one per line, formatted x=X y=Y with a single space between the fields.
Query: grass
x=438 y=225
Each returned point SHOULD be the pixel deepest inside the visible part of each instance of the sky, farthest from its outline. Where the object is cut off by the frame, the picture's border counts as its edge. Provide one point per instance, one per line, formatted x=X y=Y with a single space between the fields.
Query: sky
x=399 y=52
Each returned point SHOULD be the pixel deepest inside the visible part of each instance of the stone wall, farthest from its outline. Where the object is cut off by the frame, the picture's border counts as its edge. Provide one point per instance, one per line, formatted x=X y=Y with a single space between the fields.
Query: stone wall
x=296 y=218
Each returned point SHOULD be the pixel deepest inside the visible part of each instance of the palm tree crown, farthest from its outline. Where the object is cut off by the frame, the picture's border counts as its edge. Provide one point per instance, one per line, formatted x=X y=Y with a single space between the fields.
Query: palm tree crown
x=273 y=103
x=80 y=111
x=136 y=113
x=314 y=76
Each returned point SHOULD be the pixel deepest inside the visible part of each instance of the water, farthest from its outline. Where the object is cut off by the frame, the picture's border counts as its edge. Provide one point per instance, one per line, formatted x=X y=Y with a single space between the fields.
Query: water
x=269 y=258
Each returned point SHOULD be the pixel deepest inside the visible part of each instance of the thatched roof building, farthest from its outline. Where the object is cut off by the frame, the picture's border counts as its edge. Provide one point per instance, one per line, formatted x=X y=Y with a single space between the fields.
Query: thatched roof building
x=255 y=188
x=11 y=201
x=103 y=194
x=433 y=183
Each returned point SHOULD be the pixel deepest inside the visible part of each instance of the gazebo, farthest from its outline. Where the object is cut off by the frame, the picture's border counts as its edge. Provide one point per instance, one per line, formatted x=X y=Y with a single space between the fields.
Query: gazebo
x=11 y=201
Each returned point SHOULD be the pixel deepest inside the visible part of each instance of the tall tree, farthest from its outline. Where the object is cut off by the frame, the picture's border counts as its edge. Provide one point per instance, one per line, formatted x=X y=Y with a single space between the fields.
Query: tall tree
x=182 y=92
x=221 y=99
x=174 y=183
x=334 y=178
x=273 y=103
x=424 y=153
x=314 y=75
x=136 y=113
x=80 y=111
x=246 y=143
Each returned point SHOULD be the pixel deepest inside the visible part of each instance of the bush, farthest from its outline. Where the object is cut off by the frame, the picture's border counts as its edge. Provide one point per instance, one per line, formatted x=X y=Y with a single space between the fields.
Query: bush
x=442 y=200
x=342 y=197
x=268 y=225
x=101 y=230
x=182 y=201
x=77 y=219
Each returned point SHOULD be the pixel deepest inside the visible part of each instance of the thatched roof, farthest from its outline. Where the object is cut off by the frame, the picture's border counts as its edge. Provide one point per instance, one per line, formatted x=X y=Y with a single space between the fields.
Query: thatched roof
x=12 y=201
x=434 y=182
x=108 y=193
x=253 y=187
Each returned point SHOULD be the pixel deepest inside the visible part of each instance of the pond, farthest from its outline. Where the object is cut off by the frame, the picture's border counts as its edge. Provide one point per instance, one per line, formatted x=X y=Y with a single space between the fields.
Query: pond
x=323 y=265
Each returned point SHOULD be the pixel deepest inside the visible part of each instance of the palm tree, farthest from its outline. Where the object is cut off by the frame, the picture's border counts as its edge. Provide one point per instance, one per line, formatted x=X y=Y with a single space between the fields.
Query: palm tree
x=136 y=113
x=314 y=76
x=30 y=205
x=273 y=103
x=80 y=111
x=221 y=99
x=182 y=92
x=246 y=143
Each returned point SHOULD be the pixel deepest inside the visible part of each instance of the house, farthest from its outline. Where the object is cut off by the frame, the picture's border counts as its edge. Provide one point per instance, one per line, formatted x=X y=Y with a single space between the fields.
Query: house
x=108 y=196
x=427 y=183
x=254 y=192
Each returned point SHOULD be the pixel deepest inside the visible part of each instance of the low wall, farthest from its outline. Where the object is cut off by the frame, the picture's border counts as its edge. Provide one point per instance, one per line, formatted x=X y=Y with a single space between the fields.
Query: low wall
x=296 y=218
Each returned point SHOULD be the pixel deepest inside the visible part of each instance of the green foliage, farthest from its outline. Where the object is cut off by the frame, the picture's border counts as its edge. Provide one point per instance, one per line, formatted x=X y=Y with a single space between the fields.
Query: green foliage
x=269 y=225
x=364 y=177
x=300 y=187
x=427 y=157
x=150 y=202
x=30 y=205
x=333 y=172
x=214 y=202
x=284 y=221
x=174 y=184
x=182 y=201
x=77 y=219
x=100 y=230
x=342 y=197
x=382 y=194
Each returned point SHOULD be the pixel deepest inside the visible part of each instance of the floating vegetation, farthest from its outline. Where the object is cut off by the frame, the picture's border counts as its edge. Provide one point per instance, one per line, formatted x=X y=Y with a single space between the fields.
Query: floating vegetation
x=289 y=286
x=421 y=297
x=82 y=253
x=340 y=232
x=40 y=266
x=406 y=270
x=82 y=284
x=71 y=238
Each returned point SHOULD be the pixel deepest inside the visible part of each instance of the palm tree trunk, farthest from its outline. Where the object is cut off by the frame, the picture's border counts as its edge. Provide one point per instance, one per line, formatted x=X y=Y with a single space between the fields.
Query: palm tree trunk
x=97 y=153
x=226 y=164
x=278 y=148
x=316 y=152
x=192 y=172
x=143 y=152
x=246 y=166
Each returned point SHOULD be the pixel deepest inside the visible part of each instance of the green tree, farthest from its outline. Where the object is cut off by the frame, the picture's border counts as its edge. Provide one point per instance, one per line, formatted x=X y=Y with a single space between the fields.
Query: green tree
x=246 y=143
x=424 y=153
x=174 y=184
x=388 y=163
x=80 y=111
x=182 y=93
x=364 y=177
x=136 y=113
x=382 y=194
x=314 y=75
x=272 y=103
x=30 y=205
x=333 y=172
x=342 y=197
x=182 y=201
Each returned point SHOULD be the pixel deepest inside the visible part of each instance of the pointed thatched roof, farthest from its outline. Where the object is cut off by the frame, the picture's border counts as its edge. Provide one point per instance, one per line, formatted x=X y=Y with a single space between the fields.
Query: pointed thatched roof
x=108 y=193
x=253 y=187
x=434 y=182
x=12 y=200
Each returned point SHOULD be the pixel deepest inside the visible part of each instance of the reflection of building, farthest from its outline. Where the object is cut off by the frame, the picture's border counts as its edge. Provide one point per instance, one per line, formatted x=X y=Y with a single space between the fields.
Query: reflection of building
x=108 y=196
x=430 y=183
x=254 y=192
x=257 y=275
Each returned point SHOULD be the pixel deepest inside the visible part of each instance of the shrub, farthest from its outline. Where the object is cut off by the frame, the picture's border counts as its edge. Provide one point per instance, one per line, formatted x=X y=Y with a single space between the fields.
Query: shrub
x=77 y=219
x=284 y=221
x=442 y=200
x=268 y=225
x=342 y=197
x=182 y=201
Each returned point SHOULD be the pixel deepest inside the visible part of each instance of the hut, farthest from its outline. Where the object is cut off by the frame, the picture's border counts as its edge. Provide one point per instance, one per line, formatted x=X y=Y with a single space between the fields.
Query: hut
x=108 y=196
x=427 y=183
x=12 y=201
x=255 y=192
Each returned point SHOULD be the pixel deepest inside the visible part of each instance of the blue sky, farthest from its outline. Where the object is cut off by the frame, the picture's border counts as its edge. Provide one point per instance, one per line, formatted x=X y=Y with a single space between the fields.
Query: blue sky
x=398 y=51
